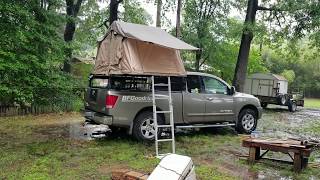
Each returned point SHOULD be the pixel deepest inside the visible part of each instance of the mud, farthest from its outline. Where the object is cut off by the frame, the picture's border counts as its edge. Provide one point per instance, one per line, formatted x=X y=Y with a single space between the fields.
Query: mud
x=278 y=122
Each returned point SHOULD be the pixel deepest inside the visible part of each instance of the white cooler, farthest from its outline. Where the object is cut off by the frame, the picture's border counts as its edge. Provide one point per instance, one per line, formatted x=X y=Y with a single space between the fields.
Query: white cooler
x=174 y=167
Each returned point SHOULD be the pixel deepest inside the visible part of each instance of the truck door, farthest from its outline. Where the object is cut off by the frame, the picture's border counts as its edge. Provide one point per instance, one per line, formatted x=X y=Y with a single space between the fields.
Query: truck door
x=219 y=104
x=193 y=101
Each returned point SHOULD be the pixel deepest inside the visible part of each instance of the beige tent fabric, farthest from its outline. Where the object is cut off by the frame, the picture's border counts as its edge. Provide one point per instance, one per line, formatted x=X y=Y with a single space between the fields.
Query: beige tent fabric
x=149 y=34
x=130 y=56
x=109 y=54
x=138 y=49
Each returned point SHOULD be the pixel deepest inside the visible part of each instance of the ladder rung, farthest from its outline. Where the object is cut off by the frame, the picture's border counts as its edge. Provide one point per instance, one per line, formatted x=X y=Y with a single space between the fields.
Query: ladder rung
x=163 y=111
x=164 y=140
x=161 y=84
x=165 y=126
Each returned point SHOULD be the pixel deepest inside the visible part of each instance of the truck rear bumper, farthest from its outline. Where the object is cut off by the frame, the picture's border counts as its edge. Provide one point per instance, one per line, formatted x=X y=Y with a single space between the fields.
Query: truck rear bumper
x=98 y=118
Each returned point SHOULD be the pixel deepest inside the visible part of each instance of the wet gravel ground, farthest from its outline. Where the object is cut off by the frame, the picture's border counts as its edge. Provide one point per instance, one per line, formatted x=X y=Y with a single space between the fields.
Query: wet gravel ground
x=278 y=122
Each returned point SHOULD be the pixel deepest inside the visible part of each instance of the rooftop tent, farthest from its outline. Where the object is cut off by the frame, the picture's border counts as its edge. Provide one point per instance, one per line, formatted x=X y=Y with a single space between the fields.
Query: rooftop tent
x=138 y=49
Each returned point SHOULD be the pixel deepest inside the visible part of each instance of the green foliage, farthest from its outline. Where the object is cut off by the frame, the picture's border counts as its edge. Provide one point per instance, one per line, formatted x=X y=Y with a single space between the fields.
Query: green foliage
x=298 y=62
x=31 y=54
x=218 y=36
x=92 y=23
x=289 y=75
x=134 y=13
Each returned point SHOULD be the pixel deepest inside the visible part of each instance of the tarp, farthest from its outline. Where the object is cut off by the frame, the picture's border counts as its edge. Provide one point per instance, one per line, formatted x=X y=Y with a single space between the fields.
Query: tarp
x=149 y=34
x=132 y=49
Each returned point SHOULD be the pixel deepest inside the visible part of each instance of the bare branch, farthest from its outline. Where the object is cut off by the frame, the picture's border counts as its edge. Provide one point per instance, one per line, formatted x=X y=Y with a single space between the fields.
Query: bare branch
x=275 y=14
x=261 y=8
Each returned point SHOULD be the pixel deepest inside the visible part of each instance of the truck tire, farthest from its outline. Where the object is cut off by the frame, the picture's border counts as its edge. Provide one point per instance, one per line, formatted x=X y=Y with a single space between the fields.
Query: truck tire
x=143 y=127
x=264 y=104
x=247 y=121
x=292 y=106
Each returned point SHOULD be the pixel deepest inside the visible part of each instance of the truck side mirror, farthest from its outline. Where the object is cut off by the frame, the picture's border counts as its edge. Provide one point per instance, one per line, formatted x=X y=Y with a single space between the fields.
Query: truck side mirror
x=232 y=90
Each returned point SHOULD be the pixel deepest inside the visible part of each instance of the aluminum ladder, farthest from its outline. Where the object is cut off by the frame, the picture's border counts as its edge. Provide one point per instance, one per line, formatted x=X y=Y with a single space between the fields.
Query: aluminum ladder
x=168 y=97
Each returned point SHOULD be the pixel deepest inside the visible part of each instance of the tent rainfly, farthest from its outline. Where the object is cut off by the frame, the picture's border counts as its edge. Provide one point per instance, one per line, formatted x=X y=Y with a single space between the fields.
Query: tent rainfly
x=139 y=50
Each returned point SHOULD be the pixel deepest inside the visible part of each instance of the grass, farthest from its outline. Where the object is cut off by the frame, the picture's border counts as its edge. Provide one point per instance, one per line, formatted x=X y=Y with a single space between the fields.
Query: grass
x=312 y=103
x=39 y=147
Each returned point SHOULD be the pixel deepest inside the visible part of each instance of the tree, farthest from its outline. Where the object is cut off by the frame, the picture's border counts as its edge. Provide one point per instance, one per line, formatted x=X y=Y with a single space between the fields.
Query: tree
x=203 y=22
x=113 y=16
x=178 y=30
x=293 y=19
x=158 y=18
x=247 y=35
x=93 y=20
x=31 y=53
x=135 y=13
x=72 y=9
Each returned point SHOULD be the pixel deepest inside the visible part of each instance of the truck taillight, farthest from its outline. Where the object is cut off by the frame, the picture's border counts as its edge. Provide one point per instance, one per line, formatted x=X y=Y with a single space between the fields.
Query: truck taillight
x=111 y=101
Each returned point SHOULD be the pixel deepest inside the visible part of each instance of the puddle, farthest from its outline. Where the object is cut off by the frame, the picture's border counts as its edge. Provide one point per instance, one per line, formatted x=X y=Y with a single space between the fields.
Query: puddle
x=83 y=131
x=279 y=123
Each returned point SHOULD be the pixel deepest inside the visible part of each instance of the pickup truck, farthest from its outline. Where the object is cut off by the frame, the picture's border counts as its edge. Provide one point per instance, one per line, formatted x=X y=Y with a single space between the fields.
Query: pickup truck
x=199 y=100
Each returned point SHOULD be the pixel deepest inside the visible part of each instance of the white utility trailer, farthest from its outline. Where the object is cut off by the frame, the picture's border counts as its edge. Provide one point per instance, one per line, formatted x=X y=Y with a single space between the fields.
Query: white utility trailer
x=272 y=89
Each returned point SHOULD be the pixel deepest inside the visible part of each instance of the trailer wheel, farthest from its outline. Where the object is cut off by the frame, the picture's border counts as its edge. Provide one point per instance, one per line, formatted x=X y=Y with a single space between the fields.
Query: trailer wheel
x=282 y=99
x=292 y=106
x=264 y=104
x=143 y=127
x=247 y=121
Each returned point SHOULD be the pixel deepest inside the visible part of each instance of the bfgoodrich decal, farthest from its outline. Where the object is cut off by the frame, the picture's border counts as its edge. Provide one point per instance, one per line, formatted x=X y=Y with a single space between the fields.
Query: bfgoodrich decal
x=136 y=98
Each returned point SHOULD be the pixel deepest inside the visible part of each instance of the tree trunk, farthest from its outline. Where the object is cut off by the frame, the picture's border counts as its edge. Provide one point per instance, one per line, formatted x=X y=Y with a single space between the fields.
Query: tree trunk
x=178 y=30
x=159 y=6
x=113 y=13
x=247 y=35
x=72 y=12
x=197 y=62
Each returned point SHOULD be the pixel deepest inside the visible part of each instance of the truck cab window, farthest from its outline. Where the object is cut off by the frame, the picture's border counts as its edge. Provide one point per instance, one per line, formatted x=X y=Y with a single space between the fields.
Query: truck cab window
x=214 y=86
x=193 y=84
x=177 y=83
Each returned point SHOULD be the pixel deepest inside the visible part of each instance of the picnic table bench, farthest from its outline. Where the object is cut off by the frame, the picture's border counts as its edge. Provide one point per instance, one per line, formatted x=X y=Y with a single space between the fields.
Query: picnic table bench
x=300 y=152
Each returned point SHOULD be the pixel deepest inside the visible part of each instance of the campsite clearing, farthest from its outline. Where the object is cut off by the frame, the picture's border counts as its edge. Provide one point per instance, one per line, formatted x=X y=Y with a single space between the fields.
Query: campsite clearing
x=50 y=146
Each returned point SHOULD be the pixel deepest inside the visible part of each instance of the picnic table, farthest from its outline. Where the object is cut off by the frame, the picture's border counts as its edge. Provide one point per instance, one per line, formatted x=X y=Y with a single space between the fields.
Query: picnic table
x=300 y=152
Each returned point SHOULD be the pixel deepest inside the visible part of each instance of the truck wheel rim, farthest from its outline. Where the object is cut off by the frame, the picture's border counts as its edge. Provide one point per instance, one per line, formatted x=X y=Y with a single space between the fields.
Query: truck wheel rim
x=248 y=122
x=147 y=128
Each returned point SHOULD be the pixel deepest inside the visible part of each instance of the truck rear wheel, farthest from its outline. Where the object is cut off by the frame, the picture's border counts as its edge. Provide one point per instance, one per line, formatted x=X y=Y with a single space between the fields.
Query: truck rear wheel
x=144 y=127
x=247 y=121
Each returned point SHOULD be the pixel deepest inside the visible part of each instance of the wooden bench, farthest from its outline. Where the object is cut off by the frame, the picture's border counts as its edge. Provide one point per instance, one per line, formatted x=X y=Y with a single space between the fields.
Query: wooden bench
x=300 y=152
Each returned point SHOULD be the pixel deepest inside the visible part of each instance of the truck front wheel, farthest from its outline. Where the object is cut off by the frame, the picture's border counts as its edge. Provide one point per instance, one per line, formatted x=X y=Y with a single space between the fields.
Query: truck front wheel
x=144 y=126
x=247 y=121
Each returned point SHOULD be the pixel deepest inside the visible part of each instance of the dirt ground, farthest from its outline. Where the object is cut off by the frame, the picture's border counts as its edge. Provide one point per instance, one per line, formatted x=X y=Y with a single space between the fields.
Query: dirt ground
x=55 y=146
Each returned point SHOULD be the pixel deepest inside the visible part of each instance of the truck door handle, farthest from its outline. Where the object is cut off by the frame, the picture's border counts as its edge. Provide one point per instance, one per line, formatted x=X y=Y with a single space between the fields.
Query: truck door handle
x=209 y=98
